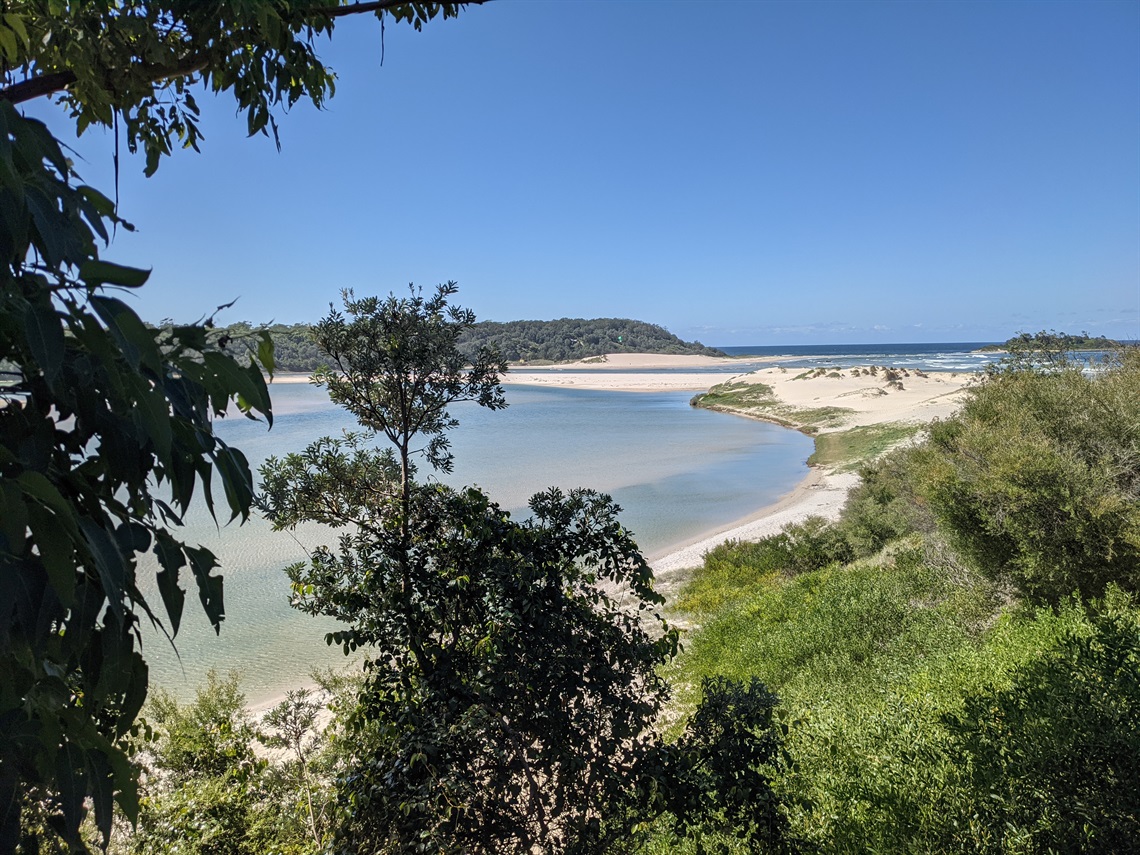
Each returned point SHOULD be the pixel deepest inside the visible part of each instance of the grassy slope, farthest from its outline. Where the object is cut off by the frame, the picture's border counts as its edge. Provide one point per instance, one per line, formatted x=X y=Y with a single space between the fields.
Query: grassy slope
x=870 y=660
x=845 y=451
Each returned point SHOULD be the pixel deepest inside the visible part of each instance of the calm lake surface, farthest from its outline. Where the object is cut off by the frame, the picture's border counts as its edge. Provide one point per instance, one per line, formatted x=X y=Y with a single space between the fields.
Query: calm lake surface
x=676 y=471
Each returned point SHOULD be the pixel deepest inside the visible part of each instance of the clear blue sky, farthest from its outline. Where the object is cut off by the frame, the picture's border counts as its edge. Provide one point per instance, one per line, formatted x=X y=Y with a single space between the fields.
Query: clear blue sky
x=739 y=172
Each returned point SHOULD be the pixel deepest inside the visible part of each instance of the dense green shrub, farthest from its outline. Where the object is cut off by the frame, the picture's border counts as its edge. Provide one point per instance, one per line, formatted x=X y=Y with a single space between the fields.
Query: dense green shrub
x=737 y=566
x=1036 y=481
x=883 y=507
x=1024 y=743
x=204 y=787
x=1052 y=761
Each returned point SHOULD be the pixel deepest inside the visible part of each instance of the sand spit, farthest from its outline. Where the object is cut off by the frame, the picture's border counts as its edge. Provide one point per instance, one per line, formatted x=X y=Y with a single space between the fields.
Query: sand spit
x=861 y=398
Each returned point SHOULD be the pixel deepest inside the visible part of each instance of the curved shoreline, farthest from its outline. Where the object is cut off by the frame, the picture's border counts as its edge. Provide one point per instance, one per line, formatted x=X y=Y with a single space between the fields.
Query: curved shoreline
x=819 y=494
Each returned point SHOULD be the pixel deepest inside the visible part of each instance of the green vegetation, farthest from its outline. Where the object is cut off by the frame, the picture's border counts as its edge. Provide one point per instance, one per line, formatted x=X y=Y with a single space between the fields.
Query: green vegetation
x=1036 y=482
x=516 y=341
x=1052 y=342
x=217 y=780
x=958 y=657
x=757 y=399
x=843 y=451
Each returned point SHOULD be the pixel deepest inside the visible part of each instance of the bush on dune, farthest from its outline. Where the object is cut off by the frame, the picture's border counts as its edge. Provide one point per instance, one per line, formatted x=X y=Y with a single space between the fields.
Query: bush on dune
x=1037 y=480
x=1053 y=759
x=1021 y=741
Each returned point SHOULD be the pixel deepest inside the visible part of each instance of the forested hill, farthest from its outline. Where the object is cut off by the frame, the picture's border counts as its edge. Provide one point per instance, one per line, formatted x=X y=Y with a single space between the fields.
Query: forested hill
x=576 y=338
x=517 y=341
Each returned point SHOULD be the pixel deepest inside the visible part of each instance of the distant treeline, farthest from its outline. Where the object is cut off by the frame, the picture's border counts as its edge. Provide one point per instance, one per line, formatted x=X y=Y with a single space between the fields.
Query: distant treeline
x=516 y=341
x=1052 y=341
x=576 y=338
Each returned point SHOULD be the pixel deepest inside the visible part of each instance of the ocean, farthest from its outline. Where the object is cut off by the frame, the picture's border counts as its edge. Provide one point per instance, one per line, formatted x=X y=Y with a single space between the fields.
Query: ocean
x=936 y=356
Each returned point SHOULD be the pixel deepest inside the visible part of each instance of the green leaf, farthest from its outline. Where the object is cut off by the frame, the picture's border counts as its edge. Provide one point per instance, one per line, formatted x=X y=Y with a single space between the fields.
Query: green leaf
x=265 y=353
x=97 y=272
x=56 y=551
x=172 y=559
x=39 y=487
x=210 y=588
x=237 y=480
x=16 y=24
x=8 y=44
x=13 y=518
x=134 y=337
x=109 y=564
x=45 y=339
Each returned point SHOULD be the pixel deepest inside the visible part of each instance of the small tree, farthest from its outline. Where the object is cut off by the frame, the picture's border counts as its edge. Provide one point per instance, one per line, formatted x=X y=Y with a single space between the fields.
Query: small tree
x=204 y=788
x=509 y=695
x=293 y=727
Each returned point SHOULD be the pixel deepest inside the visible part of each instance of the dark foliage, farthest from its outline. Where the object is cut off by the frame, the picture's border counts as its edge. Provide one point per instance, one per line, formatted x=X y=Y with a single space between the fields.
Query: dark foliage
x=105 y=436
x=718 y=775
x=1045 y=343
x=576 y=338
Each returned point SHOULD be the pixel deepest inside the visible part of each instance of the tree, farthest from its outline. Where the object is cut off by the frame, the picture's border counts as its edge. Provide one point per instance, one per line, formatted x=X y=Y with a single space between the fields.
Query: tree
x=105 y=423
x=511 y=679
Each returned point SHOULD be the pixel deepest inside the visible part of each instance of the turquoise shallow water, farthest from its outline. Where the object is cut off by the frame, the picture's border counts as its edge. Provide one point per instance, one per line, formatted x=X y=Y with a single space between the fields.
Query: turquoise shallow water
x=676 y=471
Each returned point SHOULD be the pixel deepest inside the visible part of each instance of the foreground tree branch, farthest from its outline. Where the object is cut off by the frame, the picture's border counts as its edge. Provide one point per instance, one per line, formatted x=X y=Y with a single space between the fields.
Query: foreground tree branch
x=58 y=81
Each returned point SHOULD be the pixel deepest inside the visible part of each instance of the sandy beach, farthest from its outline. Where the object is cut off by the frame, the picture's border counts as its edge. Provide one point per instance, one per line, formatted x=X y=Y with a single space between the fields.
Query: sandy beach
x=634 y=372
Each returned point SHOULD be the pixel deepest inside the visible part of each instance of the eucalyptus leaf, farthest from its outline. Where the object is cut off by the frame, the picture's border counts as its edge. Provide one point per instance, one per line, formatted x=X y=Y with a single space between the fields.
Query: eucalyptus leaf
x=96 y=272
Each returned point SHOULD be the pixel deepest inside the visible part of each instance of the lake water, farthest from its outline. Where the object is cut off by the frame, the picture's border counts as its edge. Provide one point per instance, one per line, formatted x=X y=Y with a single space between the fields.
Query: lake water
x=676 y=471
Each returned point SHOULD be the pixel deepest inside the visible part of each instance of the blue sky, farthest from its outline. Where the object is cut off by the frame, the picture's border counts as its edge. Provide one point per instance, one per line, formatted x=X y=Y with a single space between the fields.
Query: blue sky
x=739 y=172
